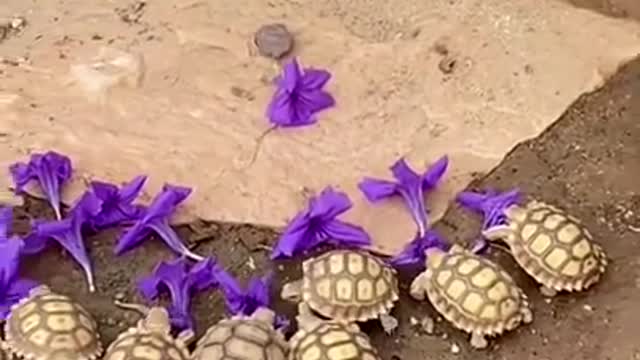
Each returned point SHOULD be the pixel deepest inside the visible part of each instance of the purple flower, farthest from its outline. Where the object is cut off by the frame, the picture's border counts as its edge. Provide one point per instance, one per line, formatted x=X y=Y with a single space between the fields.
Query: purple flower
x=299 y=96
x=117 y=204
x=68 y=233
x=246 y=301
x=414 y=253
x=12 y=287
x=319 y=224
x=182 y=282
x=410 y=185
x=155 y=219
x=51 y=170
x=492 y=205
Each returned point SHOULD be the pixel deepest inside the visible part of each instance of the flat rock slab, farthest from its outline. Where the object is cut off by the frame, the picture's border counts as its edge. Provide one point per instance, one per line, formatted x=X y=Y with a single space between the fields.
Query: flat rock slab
x=176 y=90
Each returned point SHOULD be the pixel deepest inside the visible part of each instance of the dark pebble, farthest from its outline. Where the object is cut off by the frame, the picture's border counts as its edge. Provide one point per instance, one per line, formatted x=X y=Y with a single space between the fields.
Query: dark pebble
x=273 y=40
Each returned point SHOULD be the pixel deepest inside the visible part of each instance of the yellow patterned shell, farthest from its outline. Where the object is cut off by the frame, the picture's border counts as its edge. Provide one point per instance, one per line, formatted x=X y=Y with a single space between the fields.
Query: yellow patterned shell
x=49 y=326
x=141 y=344
x=331 y=341
x=349 y=285
x=554 y=247
x=241 y=339
x=474 y=293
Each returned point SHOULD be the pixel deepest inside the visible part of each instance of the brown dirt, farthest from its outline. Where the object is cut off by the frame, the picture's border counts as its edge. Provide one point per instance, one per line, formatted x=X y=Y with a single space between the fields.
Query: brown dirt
x=616 y=8
x=587 y=162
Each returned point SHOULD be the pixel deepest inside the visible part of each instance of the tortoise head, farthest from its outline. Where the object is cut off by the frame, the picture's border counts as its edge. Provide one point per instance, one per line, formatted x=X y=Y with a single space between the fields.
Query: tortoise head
x=265 y=315
x=157 y=320
x=292 y=291
x=434 y=256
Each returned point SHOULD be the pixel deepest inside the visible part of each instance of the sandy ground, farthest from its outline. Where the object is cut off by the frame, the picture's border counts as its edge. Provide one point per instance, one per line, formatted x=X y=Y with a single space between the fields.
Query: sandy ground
x=587 y=163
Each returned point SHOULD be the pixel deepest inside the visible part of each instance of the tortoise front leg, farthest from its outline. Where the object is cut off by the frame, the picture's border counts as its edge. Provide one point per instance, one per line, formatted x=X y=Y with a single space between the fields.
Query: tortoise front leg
x=419 y=286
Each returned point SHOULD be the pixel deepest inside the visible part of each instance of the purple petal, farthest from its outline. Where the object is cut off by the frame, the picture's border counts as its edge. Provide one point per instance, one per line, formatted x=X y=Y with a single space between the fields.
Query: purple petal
x=329 y=204
x=68 y=233
x=10 y=250
x=375 y=190
x=156 y=220
x=491 y=204
x=133 y=237
x=181 y=282
x=172 y=240
x=117 y=204
x=292 y=74
x=413 y=253
x=434 y=173
x=315 y=225
x=6 y=219
x=18 y=289
x=315 y=101
x=202 y=276
x=347 y=235
x=411 y=191
x=233 y=293
x=130 y=191
x=280 y=110
x=293 y=238
x=50 y=169
x=165 y=203
x=33 y=242
x=314 y=79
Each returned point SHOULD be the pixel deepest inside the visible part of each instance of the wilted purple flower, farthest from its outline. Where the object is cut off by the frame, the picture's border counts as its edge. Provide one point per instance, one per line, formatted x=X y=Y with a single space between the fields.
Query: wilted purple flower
x=12 y=287
x=117 y=204
x=410 y=185
x=299 y=96
x=413 y=253
x=182 y=281
x=155 y=218
x=68 y=233
x=319 y=224
x=50 y=169
x=246 y=301
x=492 y=205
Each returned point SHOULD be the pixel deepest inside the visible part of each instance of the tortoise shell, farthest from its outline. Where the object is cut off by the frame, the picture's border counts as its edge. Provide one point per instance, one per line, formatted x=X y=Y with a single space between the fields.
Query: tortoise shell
x=349 y=285
x=472 y=292
x=331 y=341
x=241 y=339
x=142 y=344
x=49 y=326
x=552 y=246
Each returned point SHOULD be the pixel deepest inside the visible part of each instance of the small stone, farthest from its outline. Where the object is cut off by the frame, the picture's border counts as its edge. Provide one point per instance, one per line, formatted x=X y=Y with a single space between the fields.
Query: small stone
x=273 y=40
x=455 y=349
x=120 y=296
x=427 y=324
x=588 y=307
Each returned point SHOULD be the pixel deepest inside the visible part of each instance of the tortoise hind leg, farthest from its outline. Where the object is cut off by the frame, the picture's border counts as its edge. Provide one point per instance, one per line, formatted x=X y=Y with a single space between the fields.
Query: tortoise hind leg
x=478 y=341
x=547 y=291
x=389 y=323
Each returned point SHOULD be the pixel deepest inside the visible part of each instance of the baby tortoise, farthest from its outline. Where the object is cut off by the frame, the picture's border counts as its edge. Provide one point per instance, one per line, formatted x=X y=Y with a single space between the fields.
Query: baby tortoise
x=552 y=246
x=150 y=339
x=48 y=326
x=243 y=338
x=347 y=286
x=473 y=293
x=318 y=339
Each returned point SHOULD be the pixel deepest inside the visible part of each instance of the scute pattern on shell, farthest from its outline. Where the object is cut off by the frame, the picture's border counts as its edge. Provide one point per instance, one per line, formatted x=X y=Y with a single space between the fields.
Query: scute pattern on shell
x=50 y=326
x=555 y=248
x=241 y=339
x=476 y=295
x=136 y=344
x=331 y=341
x=349 y=285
